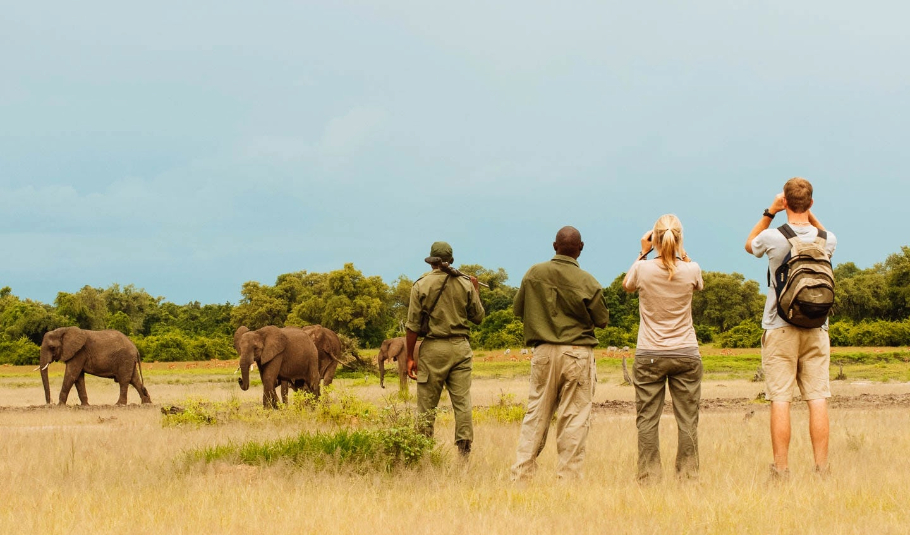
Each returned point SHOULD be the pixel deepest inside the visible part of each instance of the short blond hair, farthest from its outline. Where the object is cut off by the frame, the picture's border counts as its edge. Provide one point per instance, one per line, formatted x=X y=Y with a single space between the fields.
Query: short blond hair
x=798 y=192
x=667 y=238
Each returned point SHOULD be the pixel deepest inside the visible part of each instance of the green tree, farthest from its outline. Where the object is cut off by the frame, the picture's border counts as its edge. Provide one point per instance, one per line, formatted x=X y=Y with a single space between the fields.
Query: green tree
x=121 y=322
x=727 y=300
x=347 y=302
x=898 y=266
x=86 y=308
x=623 y=307
x=499 y=295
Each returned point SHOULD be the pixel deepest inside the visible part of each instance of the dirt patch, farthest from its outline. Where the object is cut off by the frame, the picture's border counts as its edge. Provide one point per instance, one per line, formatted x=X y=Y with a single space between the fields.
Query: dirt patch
x=862 y=401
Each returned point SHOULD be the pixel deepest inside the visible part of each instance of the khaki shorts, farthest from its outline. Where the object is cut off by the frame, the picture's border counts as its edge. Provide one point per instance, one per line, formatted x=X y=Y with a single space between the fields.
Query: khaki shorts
x=791 y=354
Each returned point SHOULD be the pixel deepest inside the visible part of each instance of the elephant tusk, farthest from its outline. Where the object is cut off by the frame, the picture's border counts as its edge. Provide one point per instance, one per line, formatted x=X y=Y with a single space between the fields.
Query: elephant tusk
x=237 y=370
x=36 y=368
x=45 y=366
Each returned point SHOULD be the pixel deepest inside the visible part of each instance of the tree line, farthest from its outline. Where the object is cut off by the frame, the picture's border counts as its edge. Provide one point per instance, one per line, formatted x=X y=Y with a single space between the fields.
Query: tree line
x=872 y=309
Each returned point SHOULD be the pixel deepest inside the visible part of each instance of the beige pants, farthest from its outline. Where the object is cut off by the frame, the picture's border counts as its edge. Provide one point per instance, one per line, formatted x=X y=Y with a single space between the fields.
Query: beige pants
x=562 y=381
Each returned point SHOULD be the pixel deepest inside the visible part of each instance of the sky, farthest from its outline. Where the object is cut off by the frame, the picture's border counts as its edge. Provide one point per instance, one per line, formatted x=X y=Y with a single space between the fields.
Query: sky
x=188 y=147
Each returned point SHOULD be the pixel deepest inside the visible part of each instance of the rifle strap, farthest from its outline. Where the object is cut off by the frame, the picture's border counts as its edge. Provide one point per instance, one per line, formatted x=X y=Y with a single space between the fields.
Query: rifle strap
x=442 y=289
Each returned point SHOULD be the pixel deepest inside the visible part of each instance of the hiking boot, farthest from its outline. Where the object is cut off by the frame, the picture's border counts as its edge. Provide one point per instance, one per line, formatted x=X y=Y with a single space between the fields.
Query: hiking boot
x=778 y=475
x=464 y=447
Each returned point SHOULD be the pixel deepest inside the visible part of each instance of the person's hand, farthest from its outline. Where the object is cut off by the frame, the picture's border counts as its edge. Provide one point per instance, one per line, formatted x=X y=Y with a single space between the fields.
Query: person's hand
x=475 y=283
x=779 y=204
x=412 y=365
x=646 y=242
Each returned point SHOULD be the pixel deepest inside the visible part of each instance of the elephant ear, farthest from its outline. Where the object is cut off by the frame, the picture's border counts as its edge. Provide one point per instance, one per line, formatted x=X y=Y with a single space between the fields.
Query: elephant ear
x=237 y=335
x=73 y=340
x=275 y=342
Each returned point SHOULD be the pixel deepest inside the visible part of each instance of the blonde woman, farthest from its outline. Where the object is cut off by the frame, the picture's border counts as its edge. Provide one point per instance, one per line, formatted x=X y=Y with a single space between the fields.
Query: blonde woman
x=667 y=350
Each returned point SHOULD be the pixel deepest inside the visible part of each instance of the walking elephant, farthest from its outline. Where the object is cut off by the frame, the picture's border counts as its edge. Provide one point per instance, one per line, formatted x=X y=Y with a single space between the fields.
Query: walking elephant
x=394 y=349
x=107 y=354
x=281 y=354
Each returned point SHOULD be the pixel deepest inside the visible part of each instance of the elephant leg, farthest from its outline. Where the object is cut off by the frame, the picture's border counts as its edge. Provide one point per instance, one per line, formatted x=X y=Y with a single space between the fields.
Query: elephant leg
x=80 y=389
x=143 y=392
x=269 y=384
x=124 y=385
x=68 y=380
x=284 y=392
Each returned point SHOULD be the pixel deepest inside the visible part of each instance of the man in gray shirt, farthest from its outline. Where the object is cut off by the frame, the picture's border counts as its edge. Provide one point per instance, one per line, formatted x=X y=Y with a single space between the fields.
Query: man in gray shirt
x=793 y=355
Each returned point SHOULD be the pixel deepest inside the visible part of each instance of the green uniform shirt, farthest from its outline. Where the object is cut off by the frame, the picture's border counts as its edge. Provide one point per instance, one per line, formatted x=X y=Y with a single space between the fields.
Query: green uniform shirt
x=560 y=303
x=458 y=303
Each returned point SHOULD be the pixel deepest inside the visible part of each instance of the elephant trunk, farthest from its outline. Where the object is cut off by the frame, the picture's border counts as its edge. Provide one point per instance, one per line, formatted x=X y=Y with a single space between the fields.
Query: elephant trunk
x=45 y=361
x=244 y=381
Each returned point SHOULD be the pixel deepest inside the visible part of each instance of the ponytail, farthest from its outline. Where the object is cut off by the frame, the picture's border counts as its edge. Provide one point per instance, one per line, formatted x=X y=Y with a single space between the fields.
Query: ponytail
x=667 y=239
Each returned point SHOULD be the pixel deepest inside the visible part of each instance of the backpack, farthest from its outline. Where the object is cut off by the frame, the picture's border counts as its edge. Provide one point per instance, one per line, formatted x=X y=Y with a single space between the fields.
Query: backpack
x=804 y=282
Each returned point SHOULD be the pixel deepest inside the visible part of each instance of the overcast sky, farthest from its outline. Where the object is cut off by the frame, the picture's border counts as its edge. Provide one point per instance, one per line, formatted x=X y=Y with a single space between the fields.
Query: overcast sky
x=188 y=147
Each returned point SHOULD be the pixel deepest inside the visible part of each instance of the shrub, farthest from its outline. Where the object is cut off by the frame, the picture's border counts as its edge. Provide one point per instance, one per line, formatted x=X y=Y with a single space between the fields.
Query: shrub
x=174 y=346
x=614 y=336
x=746 y=334
x=506 y=410
x=19 y=352
x=398 y=443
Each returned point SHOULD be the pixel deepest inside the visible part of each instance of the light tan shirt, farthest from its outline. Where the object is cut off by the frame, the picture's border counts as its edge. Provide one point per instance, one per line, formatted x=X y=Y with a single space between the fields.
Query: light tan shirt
x=665 y=306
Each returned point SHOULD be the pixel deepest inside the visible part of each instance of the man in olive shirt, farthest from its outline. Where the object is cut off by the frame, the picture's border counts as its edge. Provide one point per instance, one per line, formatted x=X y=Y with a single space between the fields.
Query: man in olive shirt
x=445 y=354
x=560 y=304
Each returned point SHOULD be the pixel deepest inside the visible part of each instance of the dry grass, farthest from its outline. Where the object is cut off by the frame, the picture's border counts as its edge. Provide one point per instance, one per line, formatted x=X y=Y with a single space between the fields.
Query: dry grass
x=117 y=470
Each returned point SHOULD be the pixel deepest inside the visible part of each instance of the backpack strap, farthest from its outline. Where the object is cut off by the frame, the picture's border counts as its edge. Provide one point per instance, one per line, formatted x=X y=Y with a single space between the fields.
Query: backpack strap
x=822 y=239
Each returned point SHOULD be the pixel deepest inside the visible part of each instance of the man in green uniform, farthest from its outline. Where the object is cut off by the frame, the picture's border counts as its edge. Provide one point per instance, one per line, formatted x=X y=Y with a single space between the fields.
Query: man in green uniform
x=560 y=304
x=445 y=354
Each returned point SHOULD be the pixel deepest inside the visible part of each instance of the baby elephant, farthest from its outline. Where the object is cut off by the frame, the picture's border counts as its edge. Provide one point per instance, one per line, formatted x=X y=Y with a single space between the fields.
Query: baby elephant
x=107 y=354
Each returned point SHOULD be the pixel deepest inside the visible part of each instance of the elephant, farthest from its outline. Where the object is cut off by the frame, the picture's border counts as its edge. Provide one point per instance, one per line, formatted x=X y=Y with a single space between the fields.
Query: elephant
x=107 y=354
x=394 y=349
x=281 y=354
x=329 y=347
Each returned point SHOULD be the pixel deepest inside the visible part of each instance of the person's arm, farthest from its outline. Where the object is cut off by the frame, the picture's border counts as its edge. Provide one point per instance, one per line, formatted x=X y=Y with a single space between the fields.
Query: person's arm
x=410 y=342
x=475 y=305
x=630 y=281
x=600 y=315
x=815 y=222
x=778 y=205
x=518 y=305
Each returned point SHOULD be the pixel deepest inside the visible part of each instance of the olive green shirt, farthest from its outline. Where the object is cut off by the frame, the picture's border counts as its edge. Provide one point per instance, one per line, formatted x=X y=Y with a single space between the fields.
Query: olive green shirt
x=560 y=303
x=458 y=303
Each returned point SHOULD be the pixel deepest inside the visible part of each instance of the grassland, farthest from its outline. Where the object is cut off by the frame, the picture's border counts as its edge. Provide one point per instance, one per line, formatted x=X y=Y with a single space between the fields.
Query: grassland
x=108 y=469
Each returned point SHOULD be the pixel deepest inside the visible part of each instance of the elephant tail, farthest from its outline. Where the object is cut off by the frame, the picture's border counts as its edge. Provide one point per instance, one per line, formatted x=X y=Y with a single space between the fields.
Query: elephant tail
x=141 y=378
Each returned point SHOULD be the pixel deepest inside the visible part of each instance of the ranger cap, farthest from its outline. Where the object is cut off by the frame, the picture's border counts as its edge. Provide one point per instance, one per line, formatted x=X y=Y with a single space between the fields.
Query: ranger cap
x=440 y=251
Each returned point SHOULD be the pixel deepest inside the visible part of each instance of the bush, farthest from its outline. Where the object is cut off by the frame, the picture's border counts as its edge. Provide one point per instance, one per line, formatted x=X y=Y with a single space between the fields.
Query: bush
x=705 y=333
x=395 y=444
x=20 y=352
x=175 y=346
x=746 y=334
x=614 y=336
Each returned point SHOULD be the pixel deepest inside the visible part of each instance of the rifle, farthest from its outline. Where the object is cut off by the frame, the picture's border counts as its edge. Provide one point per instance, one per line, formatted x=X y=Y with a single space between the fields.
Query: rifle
x=446 y=268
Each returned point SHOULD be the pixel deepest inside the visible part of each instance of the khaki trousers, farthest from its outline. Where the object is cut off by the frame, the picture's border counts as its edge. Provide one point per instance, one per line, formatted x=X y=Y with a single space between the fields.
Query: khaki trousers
x=445 y=362
x=562 y=381
x=683 y=376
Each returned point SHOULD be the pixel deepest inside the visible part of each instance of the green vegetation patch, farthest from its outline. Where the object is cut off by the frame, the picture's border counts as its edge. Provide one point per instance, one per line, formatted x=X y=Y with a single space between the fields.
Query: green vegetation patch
x=506 y=411
x=383 y=448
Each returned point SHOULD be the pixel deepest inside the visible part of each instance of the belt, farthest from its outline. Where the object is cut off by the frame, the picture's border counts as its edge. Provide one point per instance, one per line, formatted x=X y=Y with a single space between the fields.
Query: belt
x=454 y=336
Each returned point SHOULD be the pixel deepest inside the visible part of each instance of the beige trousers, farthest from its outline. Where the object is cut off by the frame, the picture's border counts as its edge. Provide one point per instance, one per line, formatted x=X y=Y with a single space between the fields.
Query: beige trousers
x=562 y=381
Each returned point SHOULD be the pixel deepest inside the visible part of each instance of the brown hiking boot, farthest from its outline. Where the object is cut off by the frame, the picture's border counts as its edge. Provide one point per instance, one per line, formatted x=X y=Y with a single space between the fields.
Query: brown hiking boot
x=464 y=447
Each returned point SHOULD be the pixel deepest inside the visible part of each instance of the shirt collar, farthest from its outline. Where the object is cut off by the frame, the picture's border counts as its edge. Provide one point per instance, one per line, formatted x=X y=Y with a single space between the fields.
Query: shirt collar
x=564 y=258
